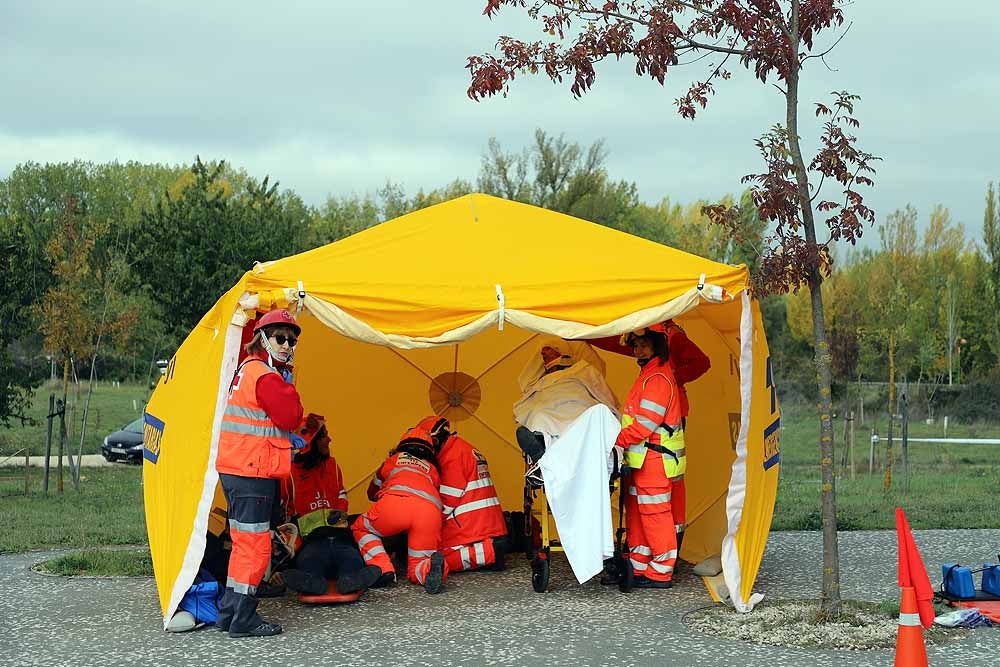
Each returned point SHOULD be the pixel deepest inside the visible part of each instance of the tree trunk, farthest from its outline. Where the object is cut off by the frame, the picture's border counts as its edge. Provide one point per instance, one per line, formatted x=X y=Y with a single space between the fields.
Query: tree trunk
x=830 y=594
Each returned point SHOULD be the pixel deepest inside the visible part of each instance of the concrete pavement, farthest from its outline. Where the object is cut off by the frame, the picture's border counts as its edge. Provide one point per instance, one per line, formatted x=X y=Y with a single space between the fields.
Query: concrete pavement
x=481 y=619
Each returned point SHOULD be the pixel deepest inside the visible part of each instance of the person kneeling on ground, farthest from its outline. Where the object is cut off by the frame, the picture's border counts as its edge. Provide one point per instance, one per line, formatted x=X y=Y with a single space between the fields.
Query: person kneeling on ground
x=405 y=491
x=474 y=533
x=317 y=500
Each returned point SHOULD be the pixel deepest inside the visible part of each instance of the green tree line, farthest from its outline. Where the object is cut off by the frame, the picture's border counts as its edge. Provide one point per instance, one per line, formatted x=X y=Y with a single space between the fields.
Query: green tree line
x=106 y=267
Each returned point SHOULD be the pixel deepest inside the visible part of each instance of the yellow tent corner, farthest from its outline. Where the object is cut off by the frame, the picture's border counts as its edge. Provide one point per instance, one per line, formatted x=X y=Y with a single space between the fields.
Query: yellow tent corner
x=436 y=312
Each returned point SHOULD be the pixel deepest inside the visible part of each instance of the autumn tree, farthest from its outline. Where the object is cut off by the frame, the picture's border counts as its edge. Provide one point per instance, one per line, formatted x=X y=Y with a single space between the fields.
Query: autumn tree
x=79 y=308
x=775 y=40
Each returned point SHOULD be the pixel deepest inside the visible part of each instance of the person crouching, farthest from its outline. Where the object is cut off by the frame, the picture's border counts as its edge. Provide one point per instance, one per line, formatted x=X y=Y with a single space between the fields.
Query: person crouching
x=405 y=491
x=474 y=533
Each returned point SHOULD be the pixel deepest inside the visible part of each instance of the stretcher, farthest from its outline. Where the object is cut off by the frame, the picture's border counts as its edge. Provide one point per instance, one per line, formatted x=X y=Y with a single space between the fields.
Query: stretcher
x=541 y=538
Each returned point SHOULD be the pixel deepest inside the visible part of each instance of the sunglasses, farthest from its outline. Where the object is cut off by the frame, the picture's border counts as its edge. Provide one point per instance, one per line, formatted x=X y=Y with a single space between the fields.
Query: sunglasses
x=281 y=340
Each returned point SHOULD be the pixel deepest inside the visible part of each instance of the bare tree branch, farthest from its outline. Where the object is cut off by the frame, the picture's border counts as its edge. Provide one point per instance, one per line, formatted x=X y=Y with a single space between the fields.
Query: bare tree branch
x=832 y=46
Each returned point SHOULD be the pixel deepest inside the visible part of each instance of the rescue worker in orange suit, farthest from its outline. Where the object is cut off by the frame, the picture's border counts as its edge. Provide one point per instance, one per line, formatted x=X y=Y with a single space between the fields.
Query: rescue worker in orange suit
x=317 y=500
x=255 y=444
x=405 y=491
x=654 y=454
x=688 y=363
x=474 y=533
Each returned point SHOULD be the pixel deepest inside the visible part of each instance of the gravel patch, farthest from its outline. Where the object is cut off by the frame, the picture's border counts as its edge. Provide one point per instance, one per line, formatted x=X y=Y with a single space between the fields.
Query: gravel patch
x=861 y=626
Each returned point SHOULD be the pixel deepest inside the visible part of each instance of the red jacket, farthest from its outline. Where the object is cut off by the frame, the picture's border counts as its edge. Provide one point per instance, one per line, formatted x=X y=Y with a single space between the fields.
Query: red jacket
x=687 y=361
x=653 y=401
x=406 y=474
x=261 y=410
x=312 y=494
x=472 y=510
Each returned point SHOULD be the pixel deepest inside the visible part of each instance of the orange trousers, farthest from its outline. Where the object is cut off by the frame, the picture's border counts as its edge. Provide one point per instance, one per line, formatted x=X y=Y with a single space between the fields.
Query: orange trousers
x=649 y=520
x=470 y=556
x=392 y=514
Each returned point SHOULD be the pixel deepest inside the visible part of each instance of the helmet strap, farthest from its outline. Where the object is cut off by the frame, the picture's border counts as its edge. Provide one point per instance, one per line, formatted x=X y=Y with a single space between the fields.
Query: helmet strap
x=272 y=354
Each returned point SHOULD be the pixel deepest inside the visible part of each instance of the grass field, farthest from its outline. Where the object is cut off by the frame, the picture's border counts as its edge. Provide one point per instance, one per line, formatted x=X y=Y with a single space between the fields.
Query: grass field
x=101 y=563
x=951 y=486
x=108 y=510
x=110 y=408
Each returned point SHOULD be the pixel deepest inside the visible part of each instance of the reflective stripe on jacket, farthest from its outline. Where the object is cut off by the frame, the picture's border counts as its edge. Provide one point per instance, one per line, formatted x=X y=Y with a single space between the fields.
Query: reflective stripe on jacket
x=407 y=474
x=250 y=445
x=316 y=492
x=652 y=406
x=471 y=509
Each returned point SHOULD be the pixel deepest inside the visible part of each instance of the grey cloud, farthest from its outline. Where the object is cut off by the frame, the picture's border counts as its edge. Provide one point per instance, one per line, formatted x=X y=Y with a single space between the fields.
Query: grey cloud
x=333 y=97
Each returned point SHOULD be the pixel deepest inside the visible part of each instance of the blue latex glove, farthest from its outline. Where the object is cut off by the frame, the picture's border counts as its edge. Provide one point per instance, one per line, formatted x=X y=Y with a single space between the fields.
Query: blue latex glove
x=298 y=442
x=286 y=373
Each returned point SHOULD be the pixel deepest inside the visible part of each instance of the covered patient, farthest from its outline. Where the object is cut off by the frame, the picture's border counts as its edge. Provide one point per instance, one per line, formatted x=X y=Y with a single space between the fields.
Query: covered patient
x=558 y=384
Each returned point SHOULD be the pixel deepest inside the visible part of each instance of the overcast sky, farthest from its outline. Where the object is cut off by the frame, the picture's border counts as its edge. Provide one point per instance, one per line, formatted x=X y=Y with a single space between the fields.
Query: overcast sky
x=331 y=97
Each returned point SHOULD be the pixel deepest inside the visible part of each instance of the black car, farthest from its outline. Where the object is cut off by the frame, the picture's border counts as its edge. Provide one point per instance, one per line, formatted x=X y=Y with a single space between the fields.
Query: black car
x=125 y=444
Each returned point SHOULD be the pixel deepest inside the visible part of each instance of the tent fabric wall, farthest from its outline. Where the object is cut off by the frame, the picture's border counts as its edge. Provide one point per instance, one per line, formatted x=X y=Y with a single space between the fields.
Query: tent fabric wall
x=436 y=312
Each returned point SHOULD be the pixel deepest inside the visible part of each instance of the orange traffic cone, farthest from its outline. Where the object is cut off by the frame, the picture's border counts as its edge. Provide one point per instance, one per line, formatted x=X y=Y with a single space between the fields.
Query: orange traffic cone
x=910 y=651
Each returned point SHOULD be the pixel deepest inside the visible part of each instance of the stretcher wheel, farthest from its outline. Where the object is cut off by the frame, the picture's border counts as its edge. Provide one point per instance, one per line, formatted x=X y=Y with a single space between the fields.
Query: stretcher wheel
x=540 y=573
x=626 y=575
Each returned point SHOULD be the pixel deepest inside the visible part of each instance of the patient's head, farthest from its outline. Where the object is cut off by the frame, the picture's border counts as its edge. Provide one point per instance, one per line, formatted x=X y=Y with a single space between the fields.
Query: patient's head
x=550 y=354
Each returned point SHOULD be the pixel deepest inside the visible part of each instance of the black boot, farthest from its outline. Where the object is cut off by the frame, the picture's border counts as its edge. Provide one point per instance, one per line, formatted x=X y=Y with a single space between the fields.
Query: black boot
x=435 y=576
x=227 y=607
x=358 y=580
x=612 y=573
x=303 y=581
x=499 y=553
x=531 y=443
x=643 y=582
x=385 y=580
x=247 y=623
x=269 y=590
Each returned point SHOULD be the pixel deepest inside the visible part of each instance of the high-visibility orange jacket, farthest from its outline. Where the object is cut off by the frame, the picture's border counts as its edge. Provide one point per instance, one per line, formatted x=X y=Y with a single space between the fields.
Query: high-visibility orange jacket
x=252 y=443
x=472 y=510
x=311 y=494
x=652 y=402
x=687 y=361
x=405 y=474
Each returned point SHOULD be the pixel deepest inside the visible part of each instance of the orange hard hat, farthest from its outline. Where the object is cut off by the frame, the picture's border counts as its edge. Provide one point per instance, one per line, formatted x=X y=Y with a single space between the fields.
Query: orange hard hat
x=434 y=424
x=310 y=427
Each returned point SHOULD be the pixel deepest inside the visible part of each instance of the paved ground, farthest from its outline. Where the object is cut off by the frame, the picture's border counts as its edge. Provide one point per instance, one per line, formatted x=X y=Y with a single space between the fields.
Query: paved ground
x=482 y=619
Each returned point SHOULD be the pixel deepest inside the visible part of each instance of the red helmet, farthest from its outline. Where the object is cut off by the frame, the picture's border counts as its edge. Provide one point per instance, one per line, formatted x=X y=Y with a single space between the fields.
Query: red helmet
x=435 y=426
x=417 y=439
x=279 y=317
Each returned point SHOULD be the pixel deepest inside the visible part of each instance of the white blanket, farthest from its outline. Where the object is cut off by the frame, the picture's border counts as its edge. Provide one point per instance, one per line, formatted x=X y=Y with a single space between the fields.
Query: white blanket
x=553 y=402
x=575 y=469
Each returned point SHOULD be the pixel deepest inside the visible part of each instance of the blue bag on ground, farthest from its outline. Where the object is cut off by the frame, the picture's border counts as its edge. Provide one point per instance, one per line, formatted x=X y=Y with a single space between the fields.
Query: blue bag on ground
x=202 y=599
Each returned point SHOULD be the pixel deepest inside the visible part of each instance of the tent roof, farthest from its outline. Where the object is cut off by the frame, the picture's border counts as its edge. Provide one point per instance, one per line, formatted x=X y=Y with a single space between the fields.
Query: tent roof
x=437 y=269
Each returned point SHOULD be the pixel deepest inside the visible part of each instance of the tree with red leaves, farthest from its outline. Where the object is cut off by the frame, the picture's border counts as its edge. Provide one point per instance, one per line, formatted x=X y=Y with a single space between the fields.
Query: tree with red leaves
x=773 y=39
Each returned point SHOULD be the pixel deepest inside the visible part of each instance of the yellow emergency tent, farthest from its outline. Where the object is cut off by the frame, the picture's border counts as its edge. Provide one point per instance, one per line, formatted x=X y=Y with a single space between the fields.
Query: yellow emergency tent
x=436 y=311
